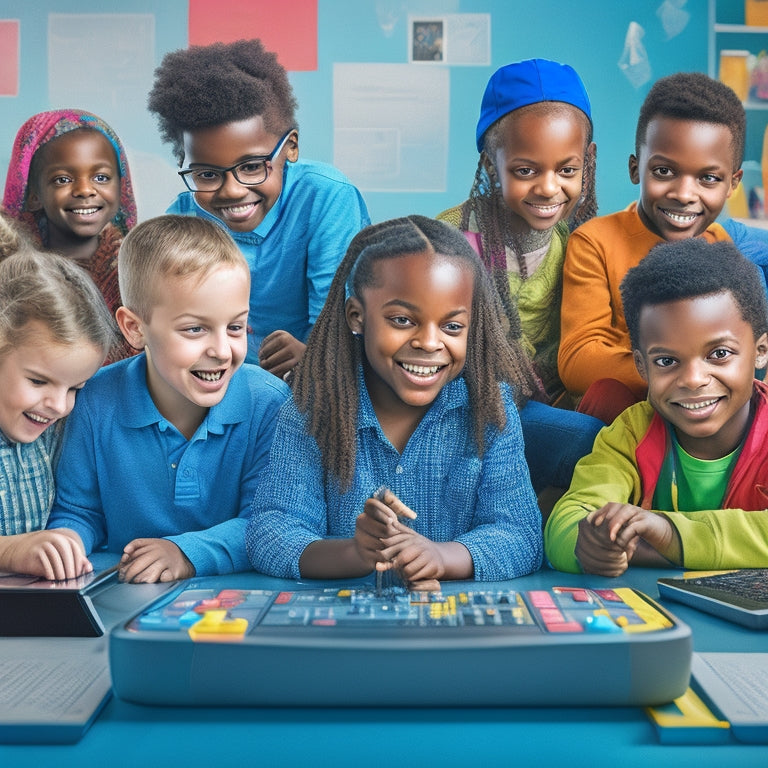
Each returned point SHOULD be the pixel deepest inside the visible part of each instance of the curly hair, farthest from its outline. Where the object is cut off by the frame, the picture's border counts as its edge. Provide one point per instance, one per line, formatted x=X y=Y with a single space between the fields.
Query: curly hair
x=686 y=269
x=696 y=97
x=208 y=85
x=325 y=382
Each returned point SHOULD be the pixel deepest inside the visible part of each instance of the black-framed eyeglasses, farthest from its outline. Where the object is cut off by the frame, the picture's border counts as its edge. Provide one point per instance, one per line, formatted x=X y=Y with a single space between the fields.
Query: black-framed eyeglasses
x=250 y=173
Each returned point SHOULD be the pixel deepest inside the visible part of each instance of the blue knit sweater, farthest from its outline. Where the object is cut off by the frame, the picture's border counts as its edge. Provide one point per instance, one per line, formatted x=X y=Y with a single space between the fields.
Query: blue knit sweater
x=485 y=503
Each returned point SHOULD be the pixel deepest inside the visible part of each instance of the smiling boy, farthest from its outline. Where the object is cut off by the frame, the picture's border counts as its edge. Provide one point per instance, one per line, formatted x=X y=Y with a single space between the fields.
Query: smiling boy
x=680 y=478
x=689 y=145
x=162 y=453
x=228 y=111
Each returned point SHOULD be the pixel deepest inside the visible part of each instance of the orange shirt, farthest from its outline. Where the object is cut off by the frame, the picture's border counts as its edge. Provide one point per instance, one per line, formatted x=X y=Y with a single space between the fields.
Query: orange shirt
x=594 y=339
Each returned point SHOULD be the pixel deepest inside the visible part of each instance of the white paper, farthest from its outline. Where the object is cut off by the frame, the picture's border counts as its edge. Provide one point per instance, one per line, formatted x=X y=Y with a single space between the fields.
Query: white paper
x=391 y=126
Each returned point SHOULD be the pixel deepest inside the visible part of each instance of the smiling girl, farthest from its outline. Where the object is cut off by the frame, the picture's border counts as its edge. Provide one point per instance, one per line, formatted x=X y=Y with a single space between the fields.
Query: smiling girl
x=408 y=382
x=68 y=181
x=55 y=331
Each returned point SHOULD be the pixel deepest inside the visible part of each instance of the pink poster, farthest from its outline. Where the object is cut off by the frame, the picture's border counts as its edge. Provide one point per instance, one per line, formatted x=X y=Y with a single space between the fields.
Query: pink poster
x=288 y=29
x=9 y=58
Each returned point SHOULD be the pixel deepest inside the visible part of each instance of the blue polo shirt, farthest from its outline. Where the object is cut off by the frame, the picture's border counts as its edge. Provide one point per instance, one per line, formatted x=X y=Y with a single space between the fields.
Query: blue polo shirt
x=293 y=254
x=126 y=473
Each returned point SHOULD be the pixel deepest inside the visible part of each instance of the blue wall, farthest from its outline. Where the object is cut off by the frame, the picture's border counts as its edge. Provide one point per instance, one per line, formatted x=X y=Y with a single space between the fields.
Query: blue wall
x=588 y=34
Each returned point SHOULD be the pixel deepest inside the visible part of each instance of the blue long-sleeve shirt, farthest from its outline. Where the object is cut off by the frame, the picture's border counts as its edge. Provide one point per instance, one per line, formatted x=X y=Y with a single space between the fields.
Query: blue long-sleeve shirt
x=125 y=472
x=294 y=252
x=485 y=503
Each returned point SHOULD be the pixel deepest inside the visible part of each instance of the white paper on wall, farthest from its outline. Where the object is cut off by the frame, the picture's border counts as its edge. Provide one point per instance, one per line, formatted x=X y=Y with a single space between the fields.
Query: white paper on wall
x=391 y=126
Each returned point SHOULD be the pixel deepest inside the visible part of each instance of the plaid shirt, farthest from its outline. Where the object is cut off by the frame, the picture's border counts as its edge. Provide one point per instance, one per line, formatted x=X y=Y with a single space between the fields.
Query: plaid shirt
x=26 y=482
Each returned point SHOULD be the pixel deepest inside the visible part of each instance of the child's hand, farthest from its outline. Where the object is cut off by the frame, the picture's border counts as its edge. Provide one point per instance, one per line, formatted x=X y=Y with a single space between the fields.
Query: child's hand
x=631 y=527
x=54 y=554
x=595 y=550
x=377 y=522
x=279 y=352
x=417 y=560
x=147 y=561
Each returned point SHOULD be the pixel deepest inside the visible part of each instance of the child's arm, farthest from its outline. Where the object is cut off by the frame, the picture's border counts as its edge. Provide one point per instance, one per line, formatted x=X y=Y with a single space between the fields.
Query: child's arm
x=152 y=560
x=722 y=538
x=77 y=505
x=280 y=352
x=594 y=344
x=608 y=474
x=53 y=555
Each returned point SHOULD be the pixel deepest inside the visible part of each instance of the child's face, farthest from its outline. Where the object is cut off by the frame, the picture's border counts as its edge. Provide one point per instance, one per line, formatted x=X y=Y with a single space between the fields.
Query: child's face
x=240 y=207
x=195 y=340
x=699 y=356
x=540 y=164
x=39 y=382
x=414 y=324
x=685 y=172
x=77 y=185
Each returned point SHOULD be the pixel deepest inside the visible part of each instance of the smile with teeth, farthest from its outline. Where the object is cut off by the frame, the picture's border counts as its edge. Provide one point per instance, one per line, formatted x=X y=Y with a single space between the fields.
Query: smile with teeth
x=37 y=418
x=238 y=209
x=551 y=208
x=84 y=211
x=421 y=370
x=208 y=375
x=698 y=406
x=680 y=218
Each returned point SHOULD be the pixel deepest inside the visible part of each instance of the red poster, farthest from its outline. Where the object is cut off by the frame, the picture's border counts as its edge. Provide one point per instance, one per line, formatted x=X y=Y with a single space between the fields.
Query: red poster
x=9 y=58
x=288 y=29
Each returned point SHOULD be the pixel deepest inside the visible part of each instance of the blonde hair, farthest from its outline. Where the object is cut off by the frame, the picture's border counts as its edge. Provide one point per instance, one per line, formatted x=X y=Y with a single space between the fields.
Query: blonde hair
x=170 y=246
x=51 y=290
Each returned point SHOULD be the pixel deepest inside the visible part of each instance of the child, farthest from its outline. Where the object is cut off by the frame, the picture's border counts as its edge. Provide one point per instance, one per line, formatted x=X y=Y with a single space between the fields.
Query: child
x=161 y=456
x=534 y=180
x=689 y=146
x=228 y=112
x=55 y=331
x=420 y=398
x=682 y=477
x=69 y=182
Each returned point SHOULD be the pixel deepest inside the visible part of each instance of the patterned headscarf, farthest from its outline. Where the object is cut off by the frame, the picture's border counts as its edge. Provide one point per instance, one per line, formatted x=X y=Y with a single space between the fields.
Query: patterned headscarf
x=38 y=131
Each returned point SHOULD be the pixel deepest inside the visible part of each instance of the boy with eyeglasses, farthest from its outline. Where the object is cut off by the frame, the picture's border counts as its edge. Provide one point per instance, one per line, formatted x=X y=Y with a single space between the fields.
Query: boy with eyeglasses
x=228 y=112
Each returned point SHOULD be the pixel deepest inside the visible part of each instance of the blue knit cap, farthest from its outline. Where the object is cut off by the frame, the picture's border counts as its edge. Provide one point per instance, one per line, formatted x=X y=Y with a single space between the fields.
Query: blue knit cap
x=529 y=82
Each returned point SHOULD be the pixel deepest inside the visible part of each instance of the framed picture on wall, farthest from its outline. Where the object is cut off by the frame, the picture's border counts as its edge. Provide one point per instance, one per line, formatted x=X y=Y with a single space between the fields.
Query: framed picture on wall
x=427 y=40
x=456 y=38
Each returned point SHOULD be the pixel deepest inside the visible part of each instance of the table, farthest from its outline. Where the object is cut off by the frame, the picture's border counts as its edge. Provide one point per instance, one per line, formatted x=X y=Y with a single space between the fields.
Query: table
x=131 y=735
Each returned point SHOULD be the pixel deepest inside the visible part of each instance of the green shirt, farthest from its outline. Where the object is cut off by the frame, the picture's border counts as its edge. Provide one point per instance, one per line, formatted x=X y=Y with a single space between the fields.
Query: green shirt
x=701 y=483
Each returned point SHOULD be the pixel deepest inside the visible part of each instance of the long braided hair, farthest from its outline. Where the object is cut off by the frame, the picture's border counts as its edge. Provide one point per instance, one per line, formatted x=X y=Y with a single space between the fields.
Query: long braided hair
x=325 y=382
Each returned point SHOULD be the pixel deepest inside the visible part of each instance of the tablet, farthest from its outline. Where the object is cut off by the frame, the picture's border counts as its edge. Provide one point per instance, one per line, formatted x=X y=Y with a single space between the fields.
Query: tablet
x=35 y=607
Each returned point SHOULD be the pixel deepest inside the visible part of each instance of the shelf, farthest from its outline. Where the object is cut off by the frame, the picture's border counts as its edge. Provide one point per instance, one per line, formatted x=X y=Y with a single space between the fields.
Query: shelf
x=740 y=29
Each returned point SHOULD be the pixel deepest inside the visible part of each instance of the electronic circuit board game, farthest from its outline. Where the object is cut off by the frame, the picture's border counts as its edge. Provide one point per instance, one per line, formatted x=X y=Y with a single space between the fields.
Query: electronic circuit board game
x=213 y=645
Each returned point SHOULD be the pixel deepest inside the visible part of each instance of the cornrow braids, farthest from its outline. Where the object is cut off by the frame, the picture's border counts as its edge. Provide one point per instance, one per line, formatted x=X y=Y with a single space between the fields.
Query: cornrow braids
x=325 y=382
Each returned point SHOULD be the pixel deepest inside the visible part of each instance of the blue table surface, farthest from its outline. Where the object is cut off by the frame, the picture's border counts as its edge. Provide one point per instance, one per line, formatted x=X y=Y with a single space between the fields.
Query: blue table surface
x=131 y=735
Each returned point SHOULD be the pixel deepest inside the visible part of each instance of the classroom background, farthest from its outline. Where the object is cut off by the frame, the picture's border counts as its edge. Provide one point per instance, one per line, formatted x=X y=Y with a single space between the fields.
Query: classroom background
x=388 y=90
